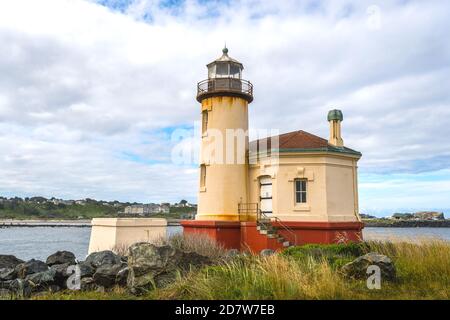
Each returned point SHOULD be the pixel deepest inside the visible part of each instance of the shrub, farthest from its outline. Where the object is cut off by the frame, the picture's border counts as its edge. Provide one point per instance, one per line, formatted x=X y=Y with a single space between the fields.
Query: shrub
x=335 y=254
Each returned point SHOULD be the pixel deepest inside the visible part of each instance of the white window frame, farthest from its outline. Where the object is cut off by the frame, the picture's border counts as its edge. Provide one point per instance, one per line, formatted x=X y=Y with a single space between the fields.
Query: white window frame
x=303 y=193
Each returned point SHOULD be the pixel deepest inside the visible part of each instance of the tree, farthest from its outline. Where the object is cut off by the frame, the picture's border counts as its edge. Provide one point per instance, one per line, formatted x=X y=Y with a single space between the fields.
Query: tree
x=183 y=202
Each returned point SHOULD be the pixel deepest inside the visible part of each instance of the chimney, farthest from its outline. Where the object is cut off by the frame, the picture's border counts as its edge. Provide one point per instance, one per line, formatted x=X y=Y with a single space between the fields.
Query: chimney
x=335 y=117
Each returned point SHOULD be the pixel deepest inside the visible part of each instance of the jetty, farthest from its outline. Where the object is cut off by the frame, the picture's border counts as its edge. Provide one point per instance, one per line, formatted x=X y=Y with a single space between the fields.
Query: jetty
x=45 y=223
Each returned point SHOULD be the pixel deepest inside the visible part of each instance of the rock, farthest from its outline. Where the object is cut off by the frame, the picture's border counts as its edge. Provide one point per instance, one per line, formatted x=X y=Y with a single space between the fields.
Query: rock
x=20 y=288
x=98 y=259
x=30 y=267
x=42 y=280
x=61 y=257
x=357 y=269
x=86 y=270
x=105 y=275
x=232 y=253
x=88 y=284
x=267 y=252
x=9 y=261
x=151 y=265
x=8 y=274
x=122 y=276
x=61 y=274
x=5 y=284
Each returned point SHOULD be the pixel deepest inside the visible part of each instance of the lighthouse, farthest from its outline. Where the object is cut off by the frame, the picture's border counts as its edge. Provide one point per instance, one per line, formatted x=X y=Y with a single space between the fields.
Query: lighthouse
x=246 y=200
x=224 y=99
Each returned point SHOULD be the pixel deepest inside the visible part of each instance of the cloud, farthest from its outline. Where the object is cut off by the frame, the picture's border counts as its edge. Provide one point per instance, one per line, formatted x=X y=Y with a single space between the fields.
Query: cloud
x=90 y=91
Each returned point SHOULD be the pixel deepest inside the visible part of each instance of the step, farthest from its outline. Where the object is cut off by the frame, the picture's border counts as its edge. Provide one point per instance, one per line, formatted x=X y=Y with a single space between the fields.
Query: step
x=281 y=239
x=272 y=236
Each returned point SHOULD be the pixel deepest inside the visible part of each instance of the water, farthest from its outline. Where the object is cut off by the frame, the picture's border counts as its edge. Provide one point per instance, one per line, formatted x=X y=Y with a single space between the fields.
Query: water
x=39 y=242
x=409 y=234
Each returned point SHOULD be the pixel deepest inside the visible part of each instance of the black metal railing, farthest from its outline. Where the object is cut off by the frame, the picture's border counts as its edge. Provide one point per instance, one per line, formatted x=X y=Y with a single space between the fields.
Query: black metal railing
x=291 y=234
x=247 y=209
x=225 y=85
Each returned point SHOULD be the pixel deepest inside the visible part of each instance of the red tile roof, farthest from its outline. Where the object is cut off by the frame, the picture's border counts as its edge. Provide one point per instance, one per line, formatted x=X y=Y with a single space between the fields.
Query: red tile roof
x=298 y=140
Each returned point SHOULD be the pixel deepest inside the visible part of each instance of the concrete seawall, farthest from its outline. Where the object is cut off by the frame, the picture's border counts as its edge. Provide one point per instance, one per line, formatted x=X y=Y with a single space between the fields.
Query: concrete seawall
x=59 y=223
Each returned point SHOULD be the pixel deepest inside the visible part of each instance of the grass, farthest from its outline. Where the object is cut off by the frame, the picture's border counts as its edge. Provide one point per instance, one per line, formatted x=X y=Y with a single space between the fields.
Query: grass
x=306 y=272
x=201 y=244
x=423 y=270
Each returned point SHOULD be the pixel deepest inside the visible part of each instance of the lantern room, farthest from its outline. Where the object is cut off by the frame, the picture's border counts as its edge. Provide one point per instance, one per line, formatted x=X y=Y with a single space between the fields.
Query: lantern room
x=225 y=78
x=225 y=67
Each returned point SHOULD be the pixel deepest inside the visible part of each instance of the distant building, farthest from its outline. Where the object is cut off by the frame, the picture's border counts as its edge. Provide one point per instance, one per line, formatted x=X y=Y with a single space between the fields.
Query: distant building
x=146 y=209
x=402 y=216
x=423 y=215
x=429 y=215
x=165 y=208
x=64 y=202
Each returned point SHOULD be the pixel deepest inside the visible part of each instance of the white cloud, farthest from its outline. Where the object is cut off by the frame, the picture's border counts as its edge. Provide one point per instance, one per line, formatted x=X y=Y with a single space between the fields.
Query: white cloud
x=81 y=85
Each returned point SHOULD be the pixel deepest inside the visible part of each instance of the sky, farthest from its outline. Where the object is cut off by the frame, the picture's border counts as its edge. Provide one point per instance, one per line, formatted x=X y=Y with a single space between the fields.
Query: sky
x=94 y=95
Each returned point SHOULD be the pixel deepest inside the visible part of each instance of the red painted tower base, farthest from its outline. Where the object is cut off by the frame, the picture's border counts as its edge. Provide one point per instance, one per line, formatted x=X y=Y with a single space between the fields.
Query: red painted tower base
x=245 y=235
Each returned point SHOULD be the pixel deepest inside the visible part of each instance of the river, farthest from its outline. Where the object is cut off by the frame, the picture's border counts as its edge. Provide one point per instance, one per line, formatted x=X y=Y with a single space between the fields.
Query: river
x=39 y=242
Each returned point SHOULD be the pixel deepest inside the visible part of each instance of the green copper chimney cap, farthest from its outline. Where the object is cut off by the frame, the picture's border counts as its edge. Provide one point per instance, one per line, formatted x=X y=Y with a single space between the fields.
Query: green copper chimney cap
x=335 y=115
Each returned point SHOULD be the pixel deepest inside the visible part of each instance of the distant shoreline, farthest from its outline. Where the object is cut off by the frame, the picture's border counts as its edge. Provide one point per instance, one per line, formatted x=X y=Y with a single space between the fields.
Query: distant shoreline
x=60 y=223
x=390 y=223
x=370 y=223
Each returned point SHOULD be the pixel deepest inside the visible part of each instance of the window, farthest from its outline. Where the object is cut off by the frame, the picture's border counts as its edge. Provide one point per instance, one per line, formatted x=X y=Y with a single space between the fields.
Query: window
x=235 y=71
x=204 y=121
x=300 y=191
x=202 y=176
x=222 y=70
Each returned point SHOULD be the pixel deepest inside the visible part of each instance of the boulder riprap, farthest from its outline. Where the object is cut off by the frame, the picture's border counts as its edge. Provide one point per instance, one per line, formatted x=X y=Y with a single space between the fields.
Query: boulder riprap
x=86 y=270
x=88 y=284
x=43 y=281
x=357 y=269
x=106 y=275
x=30 y=267
x=151 y=265
x=61 y=274
x=101 y=258
x=20 y=288
x=8 y=274
x=9 y=261
x=61 y=257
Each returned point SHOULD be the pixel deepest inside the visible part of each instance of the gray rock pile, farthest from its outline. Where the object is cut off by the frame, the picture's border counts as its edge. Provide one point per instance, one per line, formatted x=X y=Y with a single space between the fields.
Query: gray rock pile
x=146 y=266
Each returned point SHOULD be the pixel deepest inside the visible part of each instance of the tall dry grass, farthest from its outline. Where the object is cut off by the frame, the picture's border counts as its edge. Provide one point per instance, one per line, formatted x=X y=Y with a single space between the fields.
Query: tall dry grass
x=423 y=270
x=201 y=244
x=253 y=277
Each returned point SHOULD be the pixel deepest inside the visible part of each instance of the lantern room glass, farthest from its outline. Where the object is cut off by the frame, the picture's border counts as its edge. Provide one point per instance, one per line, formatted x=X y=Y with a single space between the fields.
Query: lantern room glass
x=224 y=70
